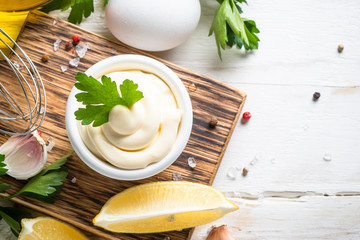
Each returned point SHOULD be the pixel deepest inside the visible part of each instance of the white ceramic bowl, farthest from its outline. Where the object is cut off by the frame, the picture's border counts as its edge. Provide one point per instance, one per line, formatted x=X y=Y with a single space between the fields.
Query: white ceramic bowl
x=134 y=62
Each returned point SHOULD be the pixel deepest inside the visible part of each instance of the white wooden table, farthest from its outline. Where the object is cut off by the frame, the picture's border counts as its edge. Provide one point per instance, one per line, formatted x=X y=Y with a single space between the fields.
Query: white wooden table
x=290 y=192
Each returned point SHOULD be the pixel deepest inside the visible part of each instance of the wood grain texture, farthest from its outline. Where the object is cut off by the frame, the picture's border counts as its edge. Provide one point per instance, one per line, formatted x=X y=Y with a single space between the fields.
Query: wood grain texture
x=308 y=217
x=79 y=202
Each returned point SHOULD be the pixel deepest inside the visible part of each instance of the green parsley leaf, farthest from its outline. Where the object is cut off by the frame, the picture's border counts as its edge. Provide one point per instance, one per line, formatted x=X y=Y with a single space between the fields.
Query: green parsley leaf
x=101 y=97
x=57 y=5
x=13 y=216
x=4 y=187
x=46 y=184
x=14 y=225
x=129 y=93
x=79 y=8
x=95 y=92
x=106 y=2
x=230 y=28
x=3 y=168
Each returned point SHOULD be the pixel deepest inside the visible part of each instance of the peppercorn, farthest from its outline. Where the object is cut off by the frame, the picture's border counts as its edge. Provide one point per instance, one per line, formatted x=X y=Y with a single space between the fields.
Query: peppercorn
x=76 y=39
x=245 y=171
x=340 y=48
x=213 y=122
x=246 y=115
x=45 y=58
x=69 y=45
x=316 y=96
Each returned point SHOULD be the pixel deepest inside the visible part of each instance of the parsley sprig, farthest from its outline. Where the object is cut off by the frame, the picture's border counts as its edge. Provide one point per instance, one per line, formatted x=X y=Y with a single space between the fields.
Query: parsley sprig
x=79 y=8
x=43 y=187
x=231 y=29
x=100 y=97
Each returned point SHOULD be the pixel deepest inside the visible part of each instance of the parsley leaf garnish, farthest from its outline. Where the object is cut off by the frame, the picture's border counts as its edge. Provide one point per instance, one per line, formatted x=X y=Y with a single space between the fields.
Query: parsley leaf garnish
x=230 y=28
x=101 y=97
x=3 y=168
x=79 y=8
x=46 y=184
x=106 y=2
x=43 y=187
x=129 y=93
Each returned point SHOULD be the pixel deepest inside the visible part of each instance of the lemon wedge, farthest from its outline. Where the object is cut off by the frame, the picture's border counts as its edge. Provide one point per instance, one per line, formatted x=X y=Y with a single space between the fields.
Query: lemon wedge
x=48 y=228
x=163 y=206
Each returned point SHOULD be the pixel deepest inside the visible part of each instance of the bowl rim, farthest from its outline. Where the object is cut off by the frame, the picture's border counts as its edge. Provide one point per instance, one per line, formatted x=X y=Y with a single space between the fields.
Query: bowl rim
x=122 y=62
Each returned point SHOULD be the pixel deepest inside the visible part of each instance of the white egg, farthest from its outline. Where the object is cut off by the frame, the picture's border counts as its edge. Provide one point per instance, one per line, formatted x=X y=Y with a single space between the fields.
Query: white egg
x=153 y=25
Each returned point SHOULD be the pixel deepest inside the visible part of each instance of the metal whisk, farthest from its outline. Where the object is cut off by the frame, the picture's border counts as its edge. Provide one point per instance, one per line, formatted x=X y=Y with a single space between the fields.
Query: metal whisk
x=22 y=110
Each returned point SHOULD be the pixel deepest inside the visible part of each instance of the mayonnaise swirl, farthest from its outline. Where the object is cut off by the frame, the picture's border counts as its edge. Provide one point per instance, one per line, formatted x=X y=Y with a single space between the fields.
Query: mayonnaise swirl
x=137 y=136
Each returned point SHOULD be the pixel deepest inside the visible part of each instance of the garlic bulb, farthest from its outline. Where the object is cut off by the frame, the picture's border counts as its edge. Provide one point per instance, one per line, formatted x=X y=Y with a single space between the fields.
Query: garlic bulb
x=25 y=155
x=220 y=233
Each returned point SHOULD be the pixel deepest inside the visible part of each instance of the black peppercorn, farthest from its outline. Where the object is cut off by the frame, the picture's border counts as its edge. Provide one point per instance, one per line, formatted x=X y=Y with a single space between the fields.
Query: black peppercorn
x=316 y=96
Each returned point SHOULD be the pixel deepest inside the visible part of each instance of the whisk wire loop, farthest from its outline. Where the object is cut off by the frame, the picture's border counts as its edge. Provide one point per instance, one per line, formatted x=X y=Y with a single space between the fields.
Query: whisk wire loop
x=24 y=109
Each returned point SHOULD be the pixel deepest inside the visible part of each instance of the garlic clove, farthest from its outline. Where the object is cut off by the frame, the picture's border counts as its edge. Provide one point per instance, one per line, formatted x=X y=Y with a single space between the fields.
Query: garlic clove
x=12 y=143
x=220 y=233
x=25 y=156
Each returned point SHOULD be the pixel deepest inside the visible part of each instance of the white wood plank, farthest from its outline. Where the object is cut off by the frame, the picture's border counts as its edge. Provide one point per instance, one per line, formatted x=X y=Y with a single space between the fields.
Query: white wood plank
x=290 y=133
x=336 y=218
x=298 y=44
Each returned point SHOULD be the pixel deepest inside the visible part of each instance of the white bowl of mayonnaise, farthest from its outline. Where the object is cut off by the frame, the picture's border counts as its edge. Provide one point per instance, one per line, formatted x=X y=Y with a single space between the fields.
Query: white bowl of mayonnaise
x=140 y=141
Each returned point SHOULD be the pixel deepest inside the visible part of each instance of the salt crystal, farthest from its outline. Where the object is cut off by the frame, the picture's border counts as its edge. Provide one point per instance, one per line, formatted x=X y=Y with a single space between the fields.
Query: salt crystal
x=42 y=110
x=327 y=157
x=73 y=180
x=88 y=45
x=17 y=65
x=256 y=158
x=191 y=162
x=55 y=21
x=167 y=238
x=57 y=44
x=51 y=144
x=176 y=176
x=63 y=68
x=81 y=50
x=113 y=51
x=232 y=173
x=74 y=62
x=192 y=87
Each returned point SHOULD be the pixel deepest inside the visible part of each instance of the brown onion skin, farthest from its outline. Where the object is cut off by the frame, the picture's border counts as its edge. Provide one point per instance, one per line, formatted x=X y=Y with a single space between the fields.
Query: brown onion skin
x=220 y=233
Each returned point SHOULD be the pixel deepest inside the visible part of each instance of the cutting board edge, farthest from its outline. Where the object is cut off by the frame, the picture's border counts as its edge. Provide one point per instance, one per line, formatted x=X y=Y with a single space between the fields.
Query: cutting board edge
x=243 y=95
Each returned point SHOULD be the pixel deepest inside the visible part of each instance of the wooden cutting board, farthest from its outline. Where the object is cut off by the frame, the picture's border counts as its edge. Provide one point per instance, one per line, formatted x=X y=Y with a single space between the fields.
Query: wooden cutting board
x=79 y=202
